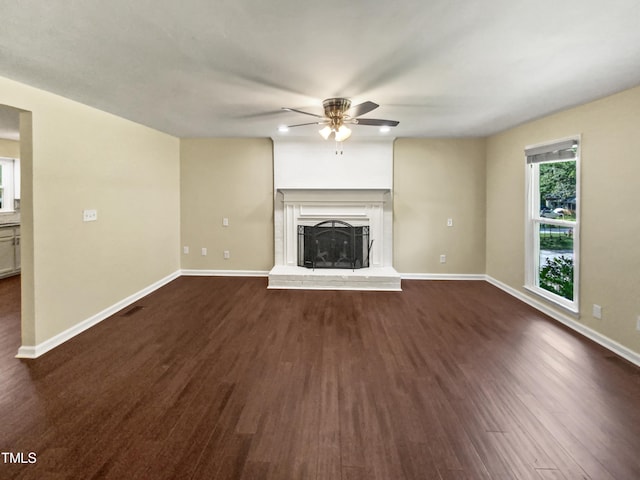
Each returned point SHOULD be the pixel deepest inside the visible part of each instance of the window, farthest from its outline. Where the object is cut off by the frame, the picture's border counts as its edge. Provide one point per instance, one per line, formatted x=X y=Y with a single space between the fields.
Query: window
x=552 y=228
x=7 y=193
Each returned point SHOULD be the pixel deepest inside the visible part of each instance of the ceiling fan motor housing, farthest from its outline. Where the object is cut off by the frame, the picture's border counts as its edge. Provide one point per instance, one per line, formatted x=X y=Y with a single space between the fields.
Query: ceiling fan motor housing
x=335 y=108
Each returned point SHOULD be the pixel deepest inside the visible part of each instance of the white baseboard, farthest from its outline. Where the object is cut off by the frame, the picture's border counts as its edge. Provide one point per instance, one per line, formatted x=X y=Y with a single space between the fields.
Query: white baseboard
x=443 y=276
x=591 y=334
x=44 y=347
x=224 y=273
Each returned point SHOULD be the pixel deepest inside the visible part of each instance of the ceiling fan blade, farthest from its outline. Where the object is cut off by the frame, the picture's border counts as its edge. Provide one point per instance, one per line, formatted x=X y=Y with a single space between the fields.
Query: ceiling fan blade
x=361 y=109
x=302 y=124
x=300 y=111
x=377 y=122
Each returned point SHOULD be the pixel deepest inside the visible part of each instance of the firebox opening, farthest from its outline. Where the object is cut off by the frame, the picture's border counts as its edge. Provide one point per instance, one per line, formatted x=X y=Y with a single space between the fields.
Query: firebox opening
x=333 y=244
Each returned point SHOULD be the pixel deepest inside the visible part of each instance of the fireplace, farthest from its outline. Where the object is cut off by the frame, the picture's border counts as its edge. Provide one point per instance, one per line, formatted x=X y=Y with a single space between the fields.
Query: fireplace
x=333 y=244
x=312 y=185
x=360 y=217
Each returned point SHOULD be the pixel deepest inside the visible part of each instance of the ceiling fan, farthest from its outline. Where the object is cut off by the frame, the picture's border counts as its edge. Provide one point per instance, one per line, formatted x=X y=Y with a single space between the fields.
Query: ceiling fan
x=338 y=113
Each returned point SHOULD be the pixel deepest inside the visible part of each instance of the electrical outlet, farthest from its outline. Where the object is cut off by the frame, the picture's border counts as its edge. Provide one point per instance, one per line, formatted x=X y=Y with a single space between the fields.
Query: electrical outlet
x=638 y=324
x=597 y=311
x=89 y=215
x=449 y=222
x=225 y=222
x=185 y=250
x=203 y=252
x=443 y=259
x=226 y=255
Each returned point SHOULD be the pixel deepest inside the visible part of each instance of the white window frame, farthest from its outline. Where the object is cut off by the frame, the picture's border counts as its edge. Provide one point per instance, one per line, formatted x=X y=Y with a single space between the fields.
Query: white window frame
x=532 y=236
x=7 y=184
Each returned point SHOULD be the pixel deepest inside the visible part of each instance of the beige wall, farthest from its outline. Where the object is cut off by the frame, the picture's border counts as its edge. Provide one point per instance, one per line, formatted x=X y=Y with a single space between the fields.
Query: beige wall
x=610 y=229
x=230 y=178
x=80 y=158
x=9 y=148
x=437 y=179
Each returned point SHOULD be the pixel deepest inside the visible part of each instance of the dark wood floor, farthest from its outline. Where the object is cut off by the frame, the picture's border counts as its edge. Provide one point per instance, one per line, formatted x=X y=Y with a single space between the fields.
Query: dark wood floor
x=220 y=378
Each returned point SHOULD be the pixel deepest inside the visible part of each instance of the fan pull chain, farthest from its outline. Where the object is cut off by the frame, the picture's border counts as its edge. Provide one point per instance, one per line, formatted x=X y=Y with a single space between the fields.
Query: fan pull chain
x=339 y=150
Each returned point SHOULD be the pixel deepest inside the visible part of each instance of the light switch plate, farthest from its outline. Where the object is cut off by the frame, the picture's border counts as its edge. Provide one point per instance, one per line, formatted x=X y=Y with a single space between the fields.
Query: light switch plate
x=597 y=311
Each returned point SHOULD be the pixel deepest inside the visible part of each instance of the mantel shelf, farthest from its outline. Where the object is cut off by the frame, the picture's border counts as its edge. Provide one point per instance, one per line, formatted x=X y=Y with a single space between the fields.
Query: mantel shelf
x=326 y=195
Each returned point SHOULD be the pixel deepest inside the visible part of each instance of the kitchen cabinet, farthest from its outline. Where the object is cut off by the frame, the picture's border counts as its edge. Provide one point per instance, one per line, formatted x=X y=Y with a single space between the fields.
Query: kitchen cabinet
x=9 y=250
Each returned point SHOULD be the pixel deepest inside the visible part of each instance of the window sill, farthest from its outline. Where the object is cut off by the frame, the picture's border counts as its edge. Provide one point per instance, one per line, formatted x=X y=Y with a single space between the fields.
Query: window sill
x=566 y=305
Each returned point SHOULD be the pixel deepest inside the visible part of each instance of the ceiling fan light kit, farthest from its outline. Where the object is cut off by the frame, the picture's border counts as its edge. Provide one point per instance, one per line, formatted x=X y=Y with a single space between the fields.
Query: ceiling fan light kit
x=338 y=113
x=343 y=133
x=325 y=132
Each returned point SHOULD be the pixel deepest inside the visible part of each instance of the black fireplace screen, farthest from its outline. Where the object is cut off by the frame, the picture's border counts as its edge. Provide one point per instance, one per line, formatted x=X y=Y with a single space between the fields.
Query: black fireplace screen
x=333 y=244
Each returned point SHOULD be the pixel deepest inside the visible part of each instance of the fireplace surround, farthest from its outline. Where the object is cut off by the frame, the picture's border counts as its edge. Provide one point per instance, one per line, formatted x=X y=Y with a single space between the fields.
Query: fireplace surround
x=370 y=208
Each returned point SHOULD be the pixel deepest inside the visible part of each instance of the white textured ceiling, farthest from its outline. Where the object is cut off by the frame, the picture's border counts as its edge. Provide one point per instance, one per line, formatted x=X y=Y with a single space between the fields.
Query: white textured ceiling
x=205 y=68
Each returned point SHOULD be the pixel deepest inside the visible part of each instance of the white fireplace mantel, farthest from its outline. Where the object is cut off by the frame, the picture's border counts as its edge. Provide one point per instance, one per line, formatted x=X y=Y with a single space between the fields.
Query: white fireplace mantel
x=358 y=207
